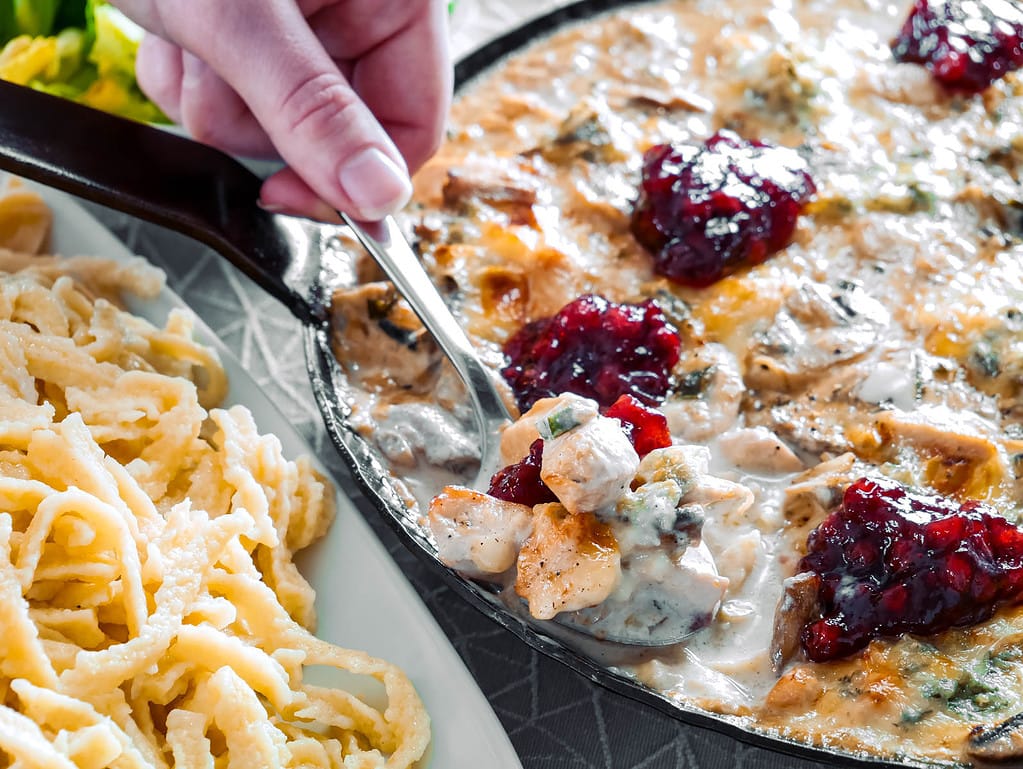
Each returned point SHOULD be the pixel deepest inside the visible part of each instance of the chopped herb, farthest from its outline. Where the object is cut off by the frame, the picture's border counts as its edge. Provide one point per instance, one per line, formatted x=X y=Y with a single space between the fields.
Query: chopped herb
x=985 y=359
x=914 y=715
x=970 y=694
x=564 y=418
x=907 y=198
x=694 y=383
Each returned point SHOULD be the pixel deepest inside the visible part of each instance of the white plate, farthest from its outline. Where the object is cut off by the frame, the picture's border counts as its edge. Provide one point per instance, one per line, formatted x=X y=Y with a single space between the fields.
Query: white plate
x=379 y=612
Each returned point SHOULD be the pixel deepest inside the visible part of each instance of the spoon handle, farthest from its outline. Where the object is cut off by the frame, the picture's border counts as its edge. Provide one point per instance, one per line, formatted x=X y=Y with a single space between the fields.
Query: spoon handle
x=157 y=176
x=388 y=246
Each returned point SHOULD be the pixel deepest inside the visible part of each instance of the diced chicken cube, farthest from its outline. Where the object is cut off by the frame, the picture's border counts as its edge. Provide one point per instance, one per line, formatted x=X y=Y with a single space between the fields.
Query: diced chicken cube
x=709 y=395
x=720 y=499
x=569 y=562
x=682 y=464
x=519 y=436
x=477 y=534
x=590 y=466
x=758 y=450
x=660 y=596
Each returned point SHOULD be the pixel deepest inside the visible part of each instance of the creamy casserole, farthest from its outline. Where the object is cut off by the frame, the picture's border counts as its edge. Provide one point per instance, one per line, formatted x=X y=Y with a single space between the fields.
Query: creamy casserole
x=884 y=342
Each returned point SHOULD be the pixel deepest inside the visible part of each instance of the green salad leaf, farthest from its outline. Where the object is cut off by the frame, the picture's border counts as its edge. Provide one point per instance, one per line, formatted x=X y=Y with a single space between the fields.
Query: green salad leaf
x=35 y=17
x=78 y=49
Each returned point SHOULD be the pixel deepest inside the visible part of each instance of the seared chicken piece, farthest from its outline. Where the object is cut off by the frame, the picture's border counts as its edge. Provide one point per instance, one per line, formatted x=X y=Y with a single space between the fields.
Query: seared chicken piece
x=814 y=494
x=477 y=534
x=569 y=562
x=589 y=466
x=971 y=460
x=520 y=434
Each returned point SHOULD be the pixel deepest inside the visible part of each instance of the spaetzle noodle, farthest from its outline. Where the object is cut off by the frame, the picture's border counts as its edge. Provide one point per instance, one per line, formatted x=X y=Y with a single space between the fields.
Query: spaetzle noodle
x=151 y=611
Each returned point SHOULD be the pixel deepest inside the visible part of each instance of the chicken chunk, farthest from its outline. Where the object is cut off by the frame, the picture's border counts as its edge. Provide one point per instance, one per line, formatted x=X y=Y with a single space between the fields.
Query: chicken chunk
x=477 y=534
x=569 y=562
x=688 y=467
x=407 y=431
x=519 y=436
x=709 y=395
x=590 y=466
x=758 y=450
x=668 y=599
x=970 y=460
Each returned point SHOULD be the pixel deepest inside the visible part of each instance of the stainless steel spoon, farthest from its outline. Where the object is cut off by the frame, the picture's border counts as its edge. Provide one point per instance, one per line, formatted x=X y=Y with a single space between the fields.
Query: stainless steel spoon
x=387 y=245
x=205 y=194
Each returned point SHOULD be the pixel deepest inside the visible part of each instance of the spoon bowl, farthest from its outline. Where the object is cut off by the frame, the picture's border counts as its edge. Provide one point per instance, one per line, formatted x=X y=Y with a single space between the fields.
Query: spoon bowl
x=387 y=245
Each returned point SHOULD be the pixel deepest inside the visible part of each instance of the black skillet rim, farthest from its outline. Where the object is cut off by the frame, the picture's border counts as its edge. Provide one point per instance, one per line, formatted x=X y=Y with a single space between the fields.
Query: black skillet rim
x=327 y=380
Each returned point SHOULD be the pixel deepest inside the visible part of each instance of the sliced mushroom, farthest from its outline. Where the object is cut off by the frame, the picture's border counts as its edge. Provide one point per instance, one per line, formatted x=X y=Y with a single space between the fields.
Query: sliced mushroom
x=1000 y=742
x=669 y=99
x=590 y=132
x=506 y=184
x=798 y=606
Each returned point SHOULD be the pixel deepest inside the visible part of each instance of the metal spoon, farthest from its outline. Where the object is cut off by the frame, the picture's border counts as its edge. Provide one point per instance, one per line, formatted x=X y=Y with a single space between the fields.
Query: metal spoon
x=387 y=245
x=205 y=194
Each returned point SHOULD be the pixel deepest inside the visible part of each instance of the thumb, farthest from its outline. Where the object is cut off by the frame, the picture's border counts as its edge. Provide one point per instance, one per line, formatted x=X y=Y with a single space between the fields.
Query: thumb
x=320 y=127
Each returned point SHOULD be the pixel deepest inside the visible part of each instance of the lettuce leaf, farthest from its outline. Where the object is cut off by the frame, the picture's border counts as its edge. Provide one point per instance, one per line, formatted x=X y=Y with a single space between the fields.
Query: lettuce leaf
x=116 y=42
x=77 y=49
x=35 y=17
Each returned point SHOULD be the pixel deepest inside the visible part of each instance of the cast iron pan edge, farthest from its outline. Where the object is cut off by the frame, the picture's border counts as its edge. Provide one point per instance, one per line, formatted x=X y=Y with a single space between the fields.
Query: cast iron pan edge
x=329 y=383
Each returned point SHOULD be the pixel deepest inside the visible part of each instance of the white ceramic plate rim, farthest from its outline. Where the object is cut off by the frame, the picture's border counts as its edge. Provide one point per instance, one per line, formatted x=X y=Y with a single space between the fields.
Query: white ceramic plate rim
x=380 y=613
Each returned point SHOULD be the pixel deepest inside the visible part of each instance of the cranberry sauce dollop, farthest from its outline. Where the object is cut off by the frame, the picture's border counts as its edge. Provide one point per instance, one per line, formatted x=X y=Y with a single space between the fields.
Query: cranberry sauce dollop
x=595 y=348
x=894 y=560
x=521 y=482
x=704 y=212
x=966 y=44
x=647 y=428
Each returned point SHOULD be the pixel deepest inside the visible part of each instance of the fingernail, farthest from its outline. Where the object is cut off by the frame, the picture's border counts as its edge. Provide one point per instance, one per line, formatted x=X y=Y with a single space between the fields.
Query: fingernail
x=273 y=208
x=375 y=185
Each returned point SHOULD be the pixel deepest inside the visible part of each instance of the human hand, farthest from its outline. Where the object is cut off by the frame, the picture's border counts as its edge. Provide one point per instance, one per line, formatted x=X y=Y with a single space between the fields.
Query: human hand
x=351 y=94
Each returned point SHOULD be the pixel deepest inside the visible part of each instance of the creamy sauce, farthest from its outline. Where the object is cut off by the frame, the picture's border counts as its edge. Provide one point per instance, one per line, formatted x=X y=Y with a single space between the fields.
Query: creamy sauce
x=887 y=338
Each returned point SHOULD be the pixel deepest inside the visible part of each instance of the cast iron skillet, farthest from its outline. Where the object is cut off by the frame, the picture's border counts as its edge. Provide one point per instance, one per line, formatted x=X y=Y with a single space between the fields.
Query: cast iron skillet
x=185 y=186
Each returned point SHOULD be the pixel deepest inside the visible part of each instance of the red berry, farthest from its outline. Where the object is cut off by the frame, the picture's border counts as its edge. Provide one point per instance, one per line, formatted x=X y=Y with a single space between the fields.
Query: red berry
x=647 y=428
x=521 y=482
x=595 y=348
x=704 y=212
x=893 y=560
x=966 y=44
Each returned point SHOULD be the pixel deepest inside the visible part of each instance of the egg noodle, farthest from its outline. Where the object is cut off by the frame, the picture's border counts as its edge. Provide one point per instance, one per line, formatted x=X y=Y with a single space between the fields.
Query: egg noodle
x=150 y=611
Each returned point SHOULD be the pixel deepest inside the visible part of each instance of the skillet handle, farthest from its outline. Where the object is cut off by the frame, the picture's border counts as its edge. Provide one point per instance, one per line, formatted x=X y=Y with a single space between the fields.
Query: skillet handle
x=162 y=178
